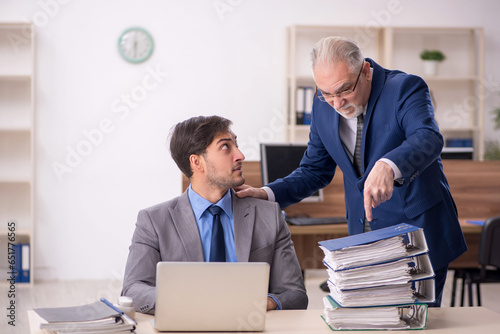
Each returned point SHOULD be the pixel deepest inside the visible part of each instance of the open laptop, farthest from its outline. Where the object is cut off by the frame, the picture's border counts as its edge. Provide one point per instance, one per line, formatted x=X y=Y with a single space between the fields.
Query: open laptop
x=211 y=296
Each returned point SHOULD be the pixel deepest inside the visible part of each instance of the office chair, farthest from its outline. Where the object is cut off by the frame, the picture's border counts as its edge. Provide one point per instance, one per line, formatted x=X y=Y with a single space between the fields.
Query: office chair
x=489 y=260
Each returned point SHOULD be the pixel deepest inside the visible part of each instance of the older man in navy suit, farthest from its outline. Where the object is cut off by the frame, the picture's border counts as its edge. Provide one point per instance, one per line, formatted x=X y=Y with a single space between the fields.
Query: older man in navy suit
x=378 y=126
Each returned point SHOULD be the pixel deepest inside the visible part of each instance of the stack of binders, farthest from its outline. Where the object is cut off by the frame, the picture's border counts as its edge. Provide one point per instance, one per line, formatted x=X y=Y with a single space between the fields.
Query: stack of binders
x=378 y=280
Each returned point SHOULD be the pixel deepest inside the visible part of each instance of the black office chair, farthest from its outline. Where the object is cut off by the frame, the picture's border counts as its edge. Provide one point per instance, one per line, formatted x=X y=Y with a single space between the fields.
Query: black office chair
x=489 y=260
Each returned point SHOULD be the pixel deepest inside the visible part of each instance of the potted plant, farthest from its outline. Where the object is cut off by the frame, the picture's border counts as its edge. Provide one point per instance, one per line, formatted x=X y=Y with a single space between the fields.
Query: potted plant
x=492 y=149
x=431 y=58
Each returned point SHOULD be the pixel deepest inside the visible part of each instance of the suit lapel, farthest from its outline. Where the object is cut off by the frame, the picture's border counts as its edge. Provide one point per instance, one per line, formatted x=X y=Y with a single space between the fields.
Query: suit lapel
x=244 y=221
x=378 y=82
x=185 y=224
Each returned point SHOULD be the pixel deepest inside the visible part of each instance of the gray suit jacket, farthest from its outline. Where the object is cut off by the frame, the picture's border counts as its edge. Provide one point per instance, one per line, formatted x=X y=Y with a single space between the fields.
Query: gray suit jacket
x=168 y=232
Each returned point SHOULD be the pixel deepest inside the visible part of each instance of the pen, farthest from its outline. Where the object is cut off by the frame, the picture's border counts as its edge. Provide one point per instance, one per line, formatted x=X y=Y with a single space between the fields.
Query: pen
x=105 y=301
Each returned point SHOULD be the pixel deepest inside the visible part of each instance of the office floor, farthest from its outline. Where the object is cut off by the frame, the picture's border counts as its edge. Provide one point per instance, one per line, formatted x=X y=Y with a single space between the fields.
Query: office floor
x=69 y=293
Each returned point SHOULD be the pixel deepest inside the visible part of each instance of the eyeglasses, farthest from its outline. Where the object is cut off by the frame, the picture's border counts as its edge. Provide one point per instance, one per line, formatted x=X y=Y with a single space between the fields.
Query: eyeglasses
x=325 y=96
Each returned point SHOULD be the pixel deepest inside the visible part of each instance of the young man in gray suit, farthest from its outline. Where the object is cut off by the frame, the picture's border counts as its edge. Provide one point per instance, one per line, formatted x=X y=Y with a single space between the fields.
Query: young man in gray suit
x=206 y=151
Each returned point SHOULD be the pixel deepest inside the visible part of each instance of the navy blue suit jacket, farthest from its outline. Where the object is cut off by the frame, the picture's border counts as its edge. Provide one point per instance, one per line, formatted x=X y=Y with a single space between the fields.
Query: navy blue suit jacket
x=399 y=125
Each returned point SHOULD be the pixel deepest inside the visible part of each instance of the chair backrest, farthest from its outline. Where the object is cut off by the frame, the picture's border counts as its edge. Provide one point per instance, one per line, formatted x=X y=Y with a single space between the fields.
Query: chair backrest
x=489 y=246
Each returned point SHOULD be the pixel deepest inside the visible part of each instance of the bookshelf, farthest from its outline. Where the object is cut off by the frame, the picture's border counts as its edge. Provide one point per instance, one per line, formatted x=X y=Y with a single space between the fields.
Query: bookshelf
x=16 y=139
x=457 y=90
x=300 y=41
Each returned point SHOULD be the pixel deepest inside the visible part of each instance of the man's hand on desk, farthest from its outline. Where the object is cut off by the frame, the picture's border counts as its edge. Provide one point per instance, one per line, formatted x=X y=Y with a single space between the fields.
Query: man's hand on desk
x=249 y=191
x=271 y=304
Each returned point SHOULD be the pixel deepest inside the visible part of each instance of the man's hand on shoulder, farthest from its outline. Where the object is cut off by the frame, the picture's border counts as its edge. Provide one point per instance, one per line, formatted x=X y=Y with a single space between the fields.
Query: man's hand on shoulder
x=249 y=191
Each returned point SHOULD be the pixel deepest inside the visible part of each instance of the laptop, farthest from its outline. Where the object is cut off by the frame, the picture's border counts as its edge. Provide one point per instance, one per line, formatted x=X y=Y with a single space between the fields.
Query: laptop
x=211 y=296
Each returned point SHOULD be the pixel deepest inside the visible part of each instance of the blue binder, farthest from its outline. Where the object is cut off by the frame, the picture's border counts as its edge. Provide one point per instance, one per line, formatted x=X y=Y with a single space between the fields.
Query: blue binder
x=18 y=260
x=25 y=264
x=413 y=237
x=372 y=236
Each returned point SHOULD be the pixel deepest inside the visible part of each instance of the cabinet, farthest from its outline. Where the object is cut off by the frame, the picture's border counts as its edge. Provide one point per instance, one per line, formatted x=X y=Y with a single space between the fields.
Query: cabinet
x=457 y=90
x=16 y=144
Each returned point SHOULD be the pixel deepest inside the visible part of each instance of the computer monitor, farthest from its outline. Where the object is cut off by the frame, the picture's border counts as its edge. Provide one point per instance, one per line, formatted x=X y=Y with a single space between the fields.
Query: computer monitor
x=279 y=160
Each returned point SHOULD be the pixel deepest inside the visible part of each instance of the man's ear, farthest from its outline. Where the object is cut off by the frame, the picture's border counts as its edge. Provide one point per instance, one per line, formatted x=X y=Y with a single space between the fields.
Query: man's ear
x=367 y=71
x=197 y=163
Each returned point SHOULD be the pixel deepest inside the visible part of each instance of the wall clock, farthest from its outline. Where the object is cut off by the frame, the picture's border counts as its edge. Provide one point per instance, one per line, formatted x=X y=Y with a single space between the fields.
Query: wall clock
x=135 y=45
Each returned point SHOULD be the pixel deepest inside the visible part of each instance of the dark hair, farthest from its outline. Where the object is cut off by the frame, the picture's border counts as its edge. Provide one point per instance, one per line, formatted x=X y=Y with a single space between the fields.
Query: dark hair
x=193 y=136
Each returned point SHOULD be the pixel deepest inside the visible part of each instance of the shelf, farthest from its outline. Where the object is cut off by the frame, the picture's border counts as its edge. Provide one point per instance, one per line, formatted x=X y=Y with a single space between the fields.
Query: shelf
x=14 y=77
x=16 y=136
x=22 y=233
x=302 y=127
x=16 y=49
x=453 y=90
x=15 y=104
x=450 y=78
x=459 y=130
x=15 y=204
x=457 y=149
x=14 y=181
x=15 y=155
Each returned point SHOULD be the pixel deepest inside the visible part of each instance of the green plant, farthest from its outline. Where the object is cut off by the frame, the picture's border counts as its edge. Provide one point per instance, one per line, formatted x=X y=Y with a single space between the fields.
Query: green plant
x=432 y=55
x=492 y=150
x=492 y=147
x=496 y=112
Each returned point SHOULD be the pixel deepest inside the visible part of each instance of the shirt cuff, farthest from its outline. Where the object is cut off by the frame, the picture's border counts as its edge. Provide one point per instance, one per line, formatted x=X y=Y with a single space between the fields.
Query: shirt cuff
x=277 y=302
x=398 y=176
x=270 y=194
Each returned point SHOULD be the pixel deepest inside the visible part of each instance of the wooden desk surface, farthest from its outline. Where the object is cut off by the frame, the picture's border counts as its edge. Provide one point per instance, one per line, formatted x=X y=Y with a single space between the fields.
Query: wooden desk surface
x=446 y=320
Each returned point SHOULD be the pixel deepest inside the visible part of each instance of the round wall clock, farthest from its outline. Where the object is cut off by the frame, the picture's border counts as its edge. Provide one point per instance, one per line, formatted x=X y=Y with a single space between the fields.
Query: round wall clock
x=135 y=45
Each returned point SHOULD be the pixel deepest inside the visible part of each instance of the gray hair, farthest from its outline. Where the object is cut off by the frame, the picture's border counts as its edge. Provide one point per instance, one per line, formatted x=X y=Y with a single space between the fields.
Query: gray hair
x=330 y=50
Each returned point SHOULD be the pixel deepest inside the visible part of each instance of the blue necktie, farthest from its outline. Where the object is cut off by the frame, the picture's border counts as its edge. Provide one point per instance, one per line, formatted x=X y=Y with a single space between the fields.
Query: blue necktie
x=218 y=246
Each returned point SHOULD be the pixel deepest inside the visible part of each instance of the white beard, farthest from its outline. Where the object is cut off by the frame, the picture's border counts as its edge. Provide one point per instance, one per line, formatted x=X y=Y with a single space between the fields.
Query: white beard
x=358 y=110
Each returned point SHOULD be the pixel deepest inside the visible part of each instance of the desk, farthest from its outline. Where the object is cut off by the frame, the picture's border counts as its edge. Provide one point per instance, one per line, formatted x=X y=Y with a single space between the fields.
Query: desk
x=452 y=320
x=305 y=239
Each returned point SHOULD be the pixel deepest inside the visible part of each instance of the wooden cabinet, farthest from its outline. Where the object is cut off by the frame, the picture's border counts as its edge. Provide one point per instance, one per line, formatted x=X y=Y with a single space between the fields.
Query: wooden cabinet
x=16 y=143
x=457 y=90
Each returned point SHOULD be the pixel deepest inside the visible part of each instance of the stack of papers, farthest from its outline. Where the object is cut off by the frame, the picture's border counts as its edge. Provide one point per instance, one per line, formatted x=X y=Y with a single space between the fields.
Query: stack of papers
x=385 y=317
x=97 y=317
x=362 y=255
x=376 y=275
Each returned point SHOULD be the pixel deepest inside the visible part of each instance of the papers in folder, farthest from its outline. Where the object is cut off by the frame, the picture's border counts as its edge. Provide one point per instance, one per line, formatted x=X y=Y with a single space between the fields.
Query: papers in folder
x=378 y=246
x=386 y=317
x=375 y=276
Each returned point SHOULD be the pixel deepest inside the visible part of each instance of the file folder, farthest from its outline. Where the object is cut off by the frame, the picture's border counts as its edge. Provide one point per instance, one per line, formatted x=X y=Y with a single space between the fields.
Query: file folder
x=18 y=262
x=25 y=273
x=364 y=246
x=390 y=317
x=419 y=291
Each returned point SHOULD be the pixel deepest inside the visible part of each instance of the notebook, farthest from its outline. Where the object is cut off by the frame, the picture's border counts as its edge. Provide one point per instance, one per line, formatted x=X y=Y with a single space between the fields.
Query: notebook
x=211 y=296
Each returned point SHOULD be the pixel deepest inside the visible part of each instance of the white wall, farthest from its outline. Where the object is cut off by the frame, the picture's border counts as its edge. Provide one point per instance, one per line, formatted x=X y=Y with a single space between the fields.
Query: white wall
x=207 y=62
